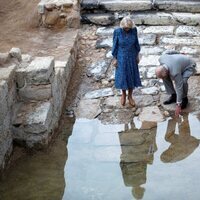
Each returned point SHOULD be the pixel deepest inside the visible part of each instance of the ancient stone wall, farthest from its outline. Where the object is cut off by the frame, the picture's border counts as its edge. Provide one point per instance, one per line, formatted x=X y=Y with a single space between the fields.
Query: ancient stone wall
x=32 y=95
x=64 y=13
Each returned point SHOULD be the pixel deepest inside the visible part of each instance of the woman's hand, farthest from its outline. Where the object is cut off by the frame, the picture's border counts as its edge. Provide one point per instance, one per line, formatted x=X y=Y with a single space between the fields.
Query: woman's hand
x=114 y=62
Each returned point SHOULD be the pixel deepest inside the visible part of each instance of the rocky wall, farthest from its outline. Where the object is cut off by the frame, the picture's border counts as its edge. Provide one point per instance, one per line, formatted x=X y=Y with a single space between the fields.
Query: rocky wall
x=62 y=13
x=32 y=95
x=8 y=97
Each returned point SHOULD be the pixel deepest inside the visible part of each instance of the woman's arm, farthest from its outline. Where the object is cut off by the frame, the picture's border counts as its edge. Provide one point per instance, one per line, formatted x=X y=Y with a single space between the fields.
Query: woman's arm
x=115 y=44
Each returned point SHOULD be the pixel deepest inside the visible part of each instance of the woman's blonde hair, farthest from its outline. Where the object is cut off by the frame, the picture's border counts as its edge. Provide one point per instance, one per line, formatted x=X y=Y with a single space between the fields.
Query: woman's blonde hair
x=127 y=22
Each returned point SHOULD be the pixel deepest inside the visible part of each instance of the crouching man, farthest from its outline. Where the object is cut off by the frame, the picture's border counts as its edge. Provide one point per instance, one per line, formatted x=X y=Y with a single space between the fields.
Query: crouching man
x=178 y=68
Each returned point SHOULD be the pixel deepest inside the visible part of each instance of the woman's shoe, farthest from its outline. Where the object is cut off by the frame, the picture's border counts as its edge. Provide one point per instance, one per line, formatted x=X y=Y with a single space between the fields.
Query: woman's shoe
x=131 y=101
x=123 y=100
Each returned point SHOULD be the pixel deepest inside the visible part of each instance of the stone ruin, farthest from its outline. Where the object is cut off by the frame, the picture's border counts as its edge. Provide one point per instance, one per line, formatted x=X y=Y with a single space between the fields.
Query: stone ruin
x=33 y=89
x=32 y=95
x=60 y=13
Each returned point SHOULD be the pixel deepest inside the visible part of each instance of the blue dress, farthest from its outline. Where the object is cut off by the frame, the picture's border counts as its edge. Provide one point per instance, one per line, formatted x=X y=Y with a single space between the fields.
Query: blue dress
x=125 y=49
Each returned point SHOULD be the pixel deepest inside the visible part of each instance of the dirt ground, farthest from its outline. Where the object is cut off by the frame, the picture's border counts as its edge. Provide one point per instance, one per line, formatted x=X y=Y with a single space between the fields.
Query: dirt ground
x=19 y=27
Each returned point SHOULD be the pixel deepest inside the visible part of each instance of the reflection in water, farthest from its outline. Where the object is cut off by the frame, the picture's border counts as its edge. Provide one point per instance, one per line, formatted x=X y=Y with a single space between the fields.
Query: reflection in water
x=38 y=176
x=138 y=147
x=182 y=143
x=111 y=162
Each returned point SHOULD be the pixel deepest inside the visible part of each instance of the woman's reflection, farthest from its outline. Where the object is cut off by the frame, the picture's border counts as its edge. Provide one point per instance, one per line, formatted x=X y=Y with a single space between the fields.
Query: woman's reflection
x=182 y=143
x=138 y=147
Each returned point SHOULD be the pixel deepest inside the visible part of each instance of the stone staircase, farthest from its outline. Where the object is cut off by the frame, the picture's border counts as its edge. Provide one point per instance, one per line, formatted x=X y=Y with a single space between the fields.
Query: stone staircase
x=147 y=12
x=32 y=95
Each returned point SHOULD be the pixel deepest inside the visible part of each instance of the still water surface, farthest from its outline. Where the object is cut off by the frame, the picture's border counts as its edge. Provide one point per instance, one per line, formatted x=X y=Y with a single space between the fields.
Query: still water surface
x=90 y=160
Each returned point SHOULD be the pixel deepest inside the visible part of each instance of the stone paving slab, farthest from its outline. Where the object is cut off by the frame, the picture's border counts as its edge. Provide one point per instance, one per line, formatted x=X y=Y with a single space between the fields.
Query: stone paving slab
x=113 y=5
x=151 y=50
x=88 y=108
x=188 y=31
x=149 y=60
x=186 y=41
x=98 y=19
x=99 y=93
x=152 y=114
x=159 y=30
x=144 y=39
x=190 y=50
x=180 y=5
x=98 y=70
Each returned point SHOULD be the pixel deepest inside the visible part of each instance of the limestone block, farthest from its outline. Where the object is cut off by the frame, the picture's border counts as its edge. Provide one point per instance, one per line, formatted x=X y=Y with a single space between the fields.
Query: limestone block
x=104 y=43
x=99 y=93
x=88 y=108
x=105 y=31
x=158 y=18
x=99 y=19
x=4 y=57
x=8 y=74
x=37 y=141
x=59 y=89
x=126 y=5
x=112 y=102
x=52 y=17
x=187 y=18
x=65 y=69
x=186 y=41
x=117 y=116
x=109 y=54
x=194 y=89
x=38 y=71
x=3 y=100
x=147 y=39
x=16 y=53
x=26 y=58
x=35 y=92
x=151 y=72
x=149 y=60
x=179 y=6
x=98 y=70
x=150 y=90
x=149 y=50
x=73 y=20
x=188 y=31
x=143 y=100
x=152 y=114
x=190 y=50
x=5 y=147
x=33 y=118
x=159 y=30
x=12 y=96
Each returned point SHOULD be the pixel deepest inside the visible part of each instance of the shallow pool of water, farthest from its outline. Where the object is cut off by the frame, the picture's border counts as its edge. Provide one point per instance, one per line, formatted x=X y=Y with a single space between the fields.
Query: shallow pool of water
x=90 y=160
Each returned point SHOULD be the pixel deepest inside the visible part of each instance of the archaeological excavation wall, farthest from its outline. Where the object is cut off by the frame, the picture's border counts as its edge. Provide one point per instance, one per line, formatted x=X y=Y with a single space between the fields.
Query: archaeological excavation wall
x=32 y=95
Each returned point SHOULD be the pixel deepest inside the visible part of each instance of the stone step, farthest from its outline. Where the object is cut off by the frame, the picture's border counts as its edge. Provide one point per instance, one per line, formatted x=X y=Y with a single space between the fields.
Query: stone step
x=144 y=18
x=32 y=123
x=141 y=5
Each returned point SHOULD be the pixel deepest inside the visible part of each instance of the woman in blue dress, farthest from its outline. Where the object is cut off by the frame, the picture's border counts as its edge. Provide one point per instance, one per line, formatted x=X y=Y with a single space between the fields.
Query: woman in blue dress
x=125 y=51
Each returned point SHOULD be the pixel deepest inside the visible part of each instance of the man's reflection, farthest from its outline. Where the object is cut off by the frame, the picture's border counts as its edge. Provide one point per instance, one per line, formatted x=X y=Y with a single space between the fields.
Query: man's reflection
x=138 y=147
x=182 y=143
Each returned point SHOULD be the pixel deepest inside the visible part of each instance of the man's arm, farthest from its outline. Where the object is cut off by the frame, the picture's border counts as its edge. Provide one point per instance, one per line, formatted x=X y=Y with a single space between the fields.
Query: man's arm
x=179 y=87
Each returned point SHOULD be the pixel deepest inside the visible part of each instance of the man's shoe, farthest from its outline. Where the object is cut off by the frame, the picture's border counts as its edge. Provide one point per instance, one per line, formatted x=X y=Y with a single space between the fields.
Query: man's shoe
x=172 y=99
x=184 y=103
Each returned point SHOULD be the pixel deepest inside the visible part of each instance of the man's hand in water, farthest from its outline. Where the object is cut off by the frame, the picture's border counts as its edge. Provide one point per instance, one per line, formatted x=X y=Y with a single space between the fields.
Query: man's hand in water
x=178 y=110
